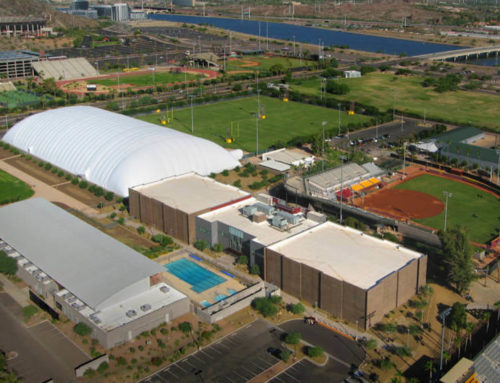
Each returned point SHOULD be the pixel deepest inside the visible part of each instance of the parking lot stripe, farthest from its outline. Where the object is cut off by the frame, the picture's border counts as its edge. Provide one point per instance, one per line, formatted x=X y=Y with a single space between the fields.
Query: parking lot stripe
x=291 y=376
x=208 y=355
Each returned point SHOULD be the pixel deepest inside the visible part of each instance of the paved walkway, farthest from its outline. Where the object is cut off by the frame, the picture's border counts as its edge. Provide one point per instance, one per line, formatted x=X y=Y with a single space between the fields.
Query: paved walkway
x=46 y=191
x=20 y=295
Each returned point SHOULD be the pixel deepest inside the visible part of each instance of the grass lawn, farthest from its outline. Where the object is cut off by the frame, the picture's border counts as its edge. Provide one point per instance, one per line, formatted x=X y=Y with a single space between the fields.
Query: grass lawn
x=378 y=89
x=284 y=121
x=146 y=79
x=12 y=189
x=470 y=207
x=264 y=63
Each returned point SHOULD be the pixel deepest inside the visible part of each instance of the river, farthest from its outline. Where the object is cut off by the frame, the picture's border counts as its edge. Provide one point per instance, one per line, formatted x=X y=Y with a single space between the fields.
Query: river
x=312 y=35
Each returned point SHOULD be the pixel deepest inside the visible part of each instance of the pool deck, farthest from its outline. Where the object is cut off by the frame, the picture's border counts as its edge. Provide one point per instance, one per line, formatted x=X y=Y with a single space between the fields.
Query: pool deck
x=208 y=295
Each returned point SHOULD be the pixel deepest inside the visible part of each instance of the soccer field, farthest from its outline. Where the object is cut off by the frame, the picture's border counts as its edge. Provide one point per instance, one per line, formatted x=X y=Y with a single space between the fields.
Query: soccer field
x=470 y=207
x=12 y=189
x=284 y=121
x=383 y=89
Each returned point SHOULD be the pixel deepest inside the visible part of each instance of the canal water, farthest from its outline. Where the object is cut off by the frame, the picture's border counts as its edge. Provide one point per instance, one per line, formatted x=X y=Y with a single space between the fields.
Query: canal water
x=315 y=35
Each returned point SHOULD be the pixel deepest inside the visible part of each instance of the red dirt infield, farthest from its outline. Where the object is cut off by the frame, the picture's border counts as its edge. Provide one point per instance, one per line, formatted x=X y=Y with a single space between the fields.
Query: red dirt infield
x=408 y=204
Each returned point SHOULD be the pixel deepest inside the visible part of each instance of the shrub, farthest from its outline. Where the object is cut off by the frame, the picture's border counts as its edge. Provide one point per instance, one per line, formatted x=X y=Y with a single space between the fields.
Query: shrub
x=82 y=329
x=102 y=367
x=385 y=364
x=314 y=352
x=8 y=265
x=60 y=173
x=155 y=361
x=112 y=215
x=242 y=260
x=335 y=87
x=109 y=196
x=185 y=327
x=265 y=307
x=218 y=247
x=141 y=229
x=237 y=183
x=68 y=177
x=122 y=208
x=285 y=355
x=54 y=170
x=391 y=237
x=98 y=191
x=225 y=173
x=74 y=181
x=201 y=244
x=48 y=166
x=403 y=351
x=83 y=184
x=293 y=338
x=163 y=331
x=255 y=269
x=297 y=308
x=121 y=221
x=162 y=239
x=276 y=299
x=29 y=311
x=121 y=361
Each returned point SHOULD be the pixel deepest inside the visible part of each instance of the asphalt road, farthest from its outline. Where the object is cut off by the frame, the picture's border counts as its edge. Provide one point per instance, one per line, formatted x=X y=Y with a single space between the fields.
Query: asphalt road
x=342 y=349
x=34 y=363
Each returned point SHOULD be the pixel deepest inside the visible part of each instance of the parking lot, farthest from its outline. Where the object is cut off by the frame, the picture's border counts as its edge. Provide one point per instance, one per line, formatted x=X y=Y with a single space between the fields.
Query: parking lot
x=305 y=371
x=236 y=358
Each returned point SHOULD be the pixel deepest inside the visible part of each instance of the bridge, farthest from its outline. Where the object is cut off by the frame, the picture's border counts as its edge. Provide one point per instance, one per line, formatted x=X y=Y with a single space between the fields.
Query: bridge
x=462 y=53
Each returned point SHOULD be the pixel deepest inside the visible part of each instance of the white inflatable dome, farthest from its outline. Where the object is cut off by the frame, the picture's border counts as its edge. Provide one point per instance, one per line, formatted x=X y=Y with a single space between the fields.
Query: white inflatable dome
x=115 y=151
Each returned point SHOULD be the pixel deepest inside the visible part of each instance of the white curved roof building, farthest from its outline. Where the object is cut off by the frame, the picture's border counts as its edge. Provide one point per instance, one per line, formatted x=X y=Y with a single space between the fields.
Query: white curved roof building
x=115 y=151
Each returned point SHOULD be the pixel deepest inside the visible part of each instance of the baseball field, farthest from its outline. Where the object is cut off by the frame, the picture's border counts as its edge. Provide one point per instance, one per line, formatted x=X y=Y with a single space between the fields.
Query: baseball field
x=422 y=200
x=262 y=63
x=12 y=189
x=283 y=121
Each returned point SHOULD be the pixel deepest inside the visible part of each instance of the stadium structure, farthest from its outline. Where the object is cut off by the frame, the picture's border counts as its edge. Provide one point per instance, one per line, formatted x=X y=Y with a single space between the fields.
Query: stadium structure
x=65 y=69
x=87 y=275
x=114 y=151
x=351 y=275
x=173 y=204
x=351 y=178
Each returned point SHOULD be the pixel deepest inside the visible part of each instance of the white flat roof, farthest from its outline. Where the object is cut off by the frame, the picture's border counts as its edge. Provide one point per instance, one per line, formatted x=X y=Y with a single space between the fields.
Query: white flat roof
x=191 y=193
x=275 y=165
x=346 y=254
x=287 y=156
x=263 y=232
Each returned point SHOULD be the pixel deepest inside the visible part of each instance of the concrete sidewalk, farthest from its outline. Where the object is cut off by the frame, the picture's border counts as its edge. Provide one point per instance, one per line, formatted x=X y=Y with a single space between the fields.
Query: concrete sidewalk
x=20 y=295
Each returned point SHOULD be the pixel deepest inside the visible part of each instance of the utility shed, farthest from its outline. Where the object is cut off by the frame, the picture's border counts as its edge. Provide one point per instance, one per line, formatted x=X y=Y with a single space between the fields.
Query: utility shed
x=345 y=272
x=172 y=204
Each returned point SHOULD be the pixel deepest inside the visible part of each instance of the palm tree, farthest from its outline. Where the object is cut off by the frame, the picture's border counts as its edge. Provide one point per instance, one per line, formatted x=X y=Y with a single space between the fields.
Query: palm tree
x=486 y=317
x=429 y=366
x=468 y=330
x=446 y=357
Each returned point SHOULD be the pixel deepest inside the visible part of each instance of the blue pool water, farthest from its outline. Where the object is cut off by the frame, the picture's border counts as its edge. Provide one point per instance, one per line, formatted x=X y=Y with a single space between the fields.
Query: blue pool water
x=198 y=277
x=231 y=291
x=220 y=297
x=206 y=303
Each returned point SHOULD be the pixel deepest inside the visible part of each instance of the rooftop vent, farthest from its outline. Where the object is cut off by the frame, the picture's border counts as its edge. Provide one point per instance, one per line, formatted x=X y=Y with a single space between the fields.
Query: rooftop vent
x=164 y=289
x=146 y=307
x=131 y=313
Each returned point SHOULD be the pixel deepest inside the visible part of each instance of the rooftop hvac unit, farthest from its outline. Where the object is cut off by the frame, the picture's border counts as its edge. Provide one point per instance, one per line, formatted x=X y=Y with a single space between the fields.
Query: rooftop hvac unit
x=264 y=198
x=146 y=307
x=290 y=218
x=259 y=217
x=94 y=318
x=164 y=289
x=248 y=211
x=266 y=209
x=131 y=313
x=279 y=222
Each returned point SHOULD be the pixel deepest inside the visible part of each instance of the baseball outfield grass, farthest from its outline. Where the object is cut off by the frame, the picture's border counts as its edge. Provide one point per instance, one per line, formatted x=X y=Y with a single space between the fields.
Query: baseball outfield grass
x=263 y=63
x=12 y=189
x=382 y=89
x=146 y=79
x=470 y=207
x=283 y=121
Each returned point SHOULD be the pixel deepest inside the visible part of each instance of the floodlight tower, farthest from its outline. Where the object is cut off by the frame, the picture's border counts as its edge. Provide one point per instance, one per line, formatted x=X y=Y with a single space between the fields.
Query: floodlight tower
x=446 y=195
x=323 y=147
x=342 y=158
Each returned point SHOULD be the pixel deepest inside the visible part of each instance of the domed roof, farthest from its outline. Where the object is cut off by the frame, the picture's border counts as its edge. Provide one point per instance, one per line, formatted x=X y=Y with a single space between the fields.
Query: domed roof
x=115 y=151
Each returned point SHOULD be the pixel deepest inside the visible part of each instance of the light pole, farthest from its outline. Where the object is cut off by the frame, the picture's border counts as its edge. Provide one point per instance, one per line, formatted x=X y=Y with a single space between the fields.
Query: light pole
x=498 y=166
x=192 y=115
x=443 y=316
x=339 y=118
x=394 y=106
x=323 y=147
x=342 y=158
x=293 y=45
x=446 y=195
x=257 y=117
x=404 y=160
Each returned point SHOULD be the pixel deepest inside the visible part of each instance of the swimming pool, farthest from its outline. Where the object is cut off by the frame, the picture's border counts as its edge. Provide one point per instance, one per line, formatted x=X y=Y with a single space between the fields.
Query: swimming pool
x=198 y=277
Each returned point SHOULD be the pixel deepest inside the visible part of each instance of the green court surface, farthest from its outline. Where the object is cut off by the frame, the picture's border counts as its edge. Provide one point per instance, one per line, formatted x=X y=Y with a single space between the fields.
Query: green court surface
x=146 y=79
x=12 y=189
x=382 y=90
x=470 y=207
x=284 y=121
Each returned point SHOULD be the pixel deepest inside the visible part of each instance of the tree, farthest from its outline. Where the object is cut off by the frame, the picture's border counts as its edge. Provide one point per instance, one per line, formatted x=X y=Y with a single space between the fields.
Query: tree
x=8 y=265
x=265 y=307
x=335 y=87
x=242 y=260
x=458 y=316
x=314 y=352
x=293 y=338
x=457 y=253
x=141 y=229
x=277 y=69
x=201 y=244
x=285 y=355
x=255 y=269
x=429 y=366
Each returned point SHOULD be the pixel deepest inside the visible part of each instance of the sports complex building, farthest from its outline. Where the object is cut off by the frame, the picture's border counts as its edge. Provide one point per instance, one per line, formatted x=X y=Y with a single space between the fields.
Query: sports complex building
x=87 y=275
x=114 y=151
x=172 y=204
x=351 y=275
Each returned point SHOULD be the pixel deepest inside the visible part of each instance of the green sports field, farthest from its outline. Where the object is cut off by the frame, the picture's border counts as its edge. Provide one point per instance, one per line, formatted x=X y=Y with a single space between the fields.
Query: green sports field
x=263 y=63
x=284 y=121
x=12 y=189
x=15 y=98
x=378 y=89
x=146 y=79
x=470 y=207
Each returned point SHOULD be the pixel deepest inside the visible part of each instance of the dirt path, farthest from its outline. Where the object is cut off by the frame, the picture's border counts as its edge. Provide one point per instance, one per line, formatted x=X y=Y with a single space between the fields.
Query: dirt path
x=46 y=191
